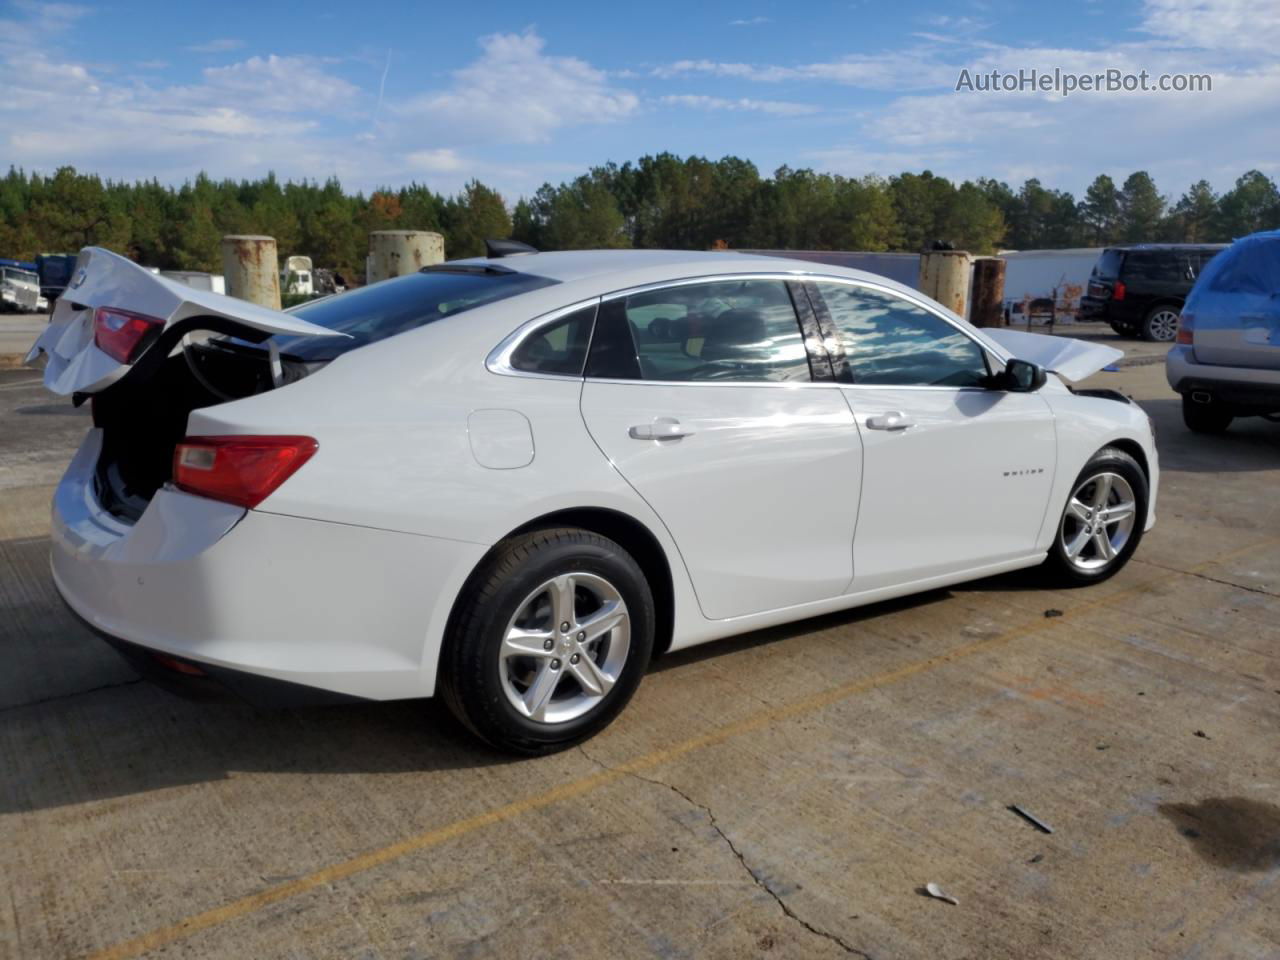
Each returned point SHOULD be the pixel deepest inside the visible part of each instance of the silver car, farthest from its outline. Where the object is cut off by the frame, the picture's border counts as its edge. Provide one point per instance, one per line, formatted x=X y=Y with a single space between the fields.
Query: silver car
x=1226 y=361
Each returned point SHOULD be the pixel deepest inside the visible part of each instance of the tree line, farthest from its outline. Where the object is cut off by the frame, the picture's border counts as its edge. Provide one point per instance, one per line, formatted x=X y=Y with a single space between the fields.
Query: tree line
x=658 y=201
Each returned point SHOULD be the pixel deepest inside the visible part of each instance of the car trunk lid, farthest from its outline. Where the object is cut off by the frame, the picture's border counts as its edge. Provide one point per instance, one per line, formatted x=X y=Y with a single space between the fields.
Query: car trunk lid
x=74 y=363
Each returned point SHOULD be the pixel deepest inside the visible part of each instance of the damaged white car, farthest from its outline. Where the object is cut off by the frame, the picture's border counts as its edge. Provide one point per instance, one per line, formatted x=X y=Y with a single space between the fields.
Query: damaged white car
x=510 y=481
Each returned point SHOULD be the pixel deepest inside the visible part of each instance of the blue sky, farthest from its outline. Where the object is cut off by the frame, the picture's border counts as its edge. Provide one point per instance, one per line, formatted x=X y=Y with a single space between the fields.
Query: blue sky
x=517 y=93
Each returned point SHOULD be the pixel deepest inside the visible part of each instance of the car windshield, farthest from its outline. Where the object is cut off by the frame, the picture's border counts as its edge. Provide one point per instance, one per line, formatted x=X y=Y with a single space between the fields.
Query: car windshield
x=385 y=309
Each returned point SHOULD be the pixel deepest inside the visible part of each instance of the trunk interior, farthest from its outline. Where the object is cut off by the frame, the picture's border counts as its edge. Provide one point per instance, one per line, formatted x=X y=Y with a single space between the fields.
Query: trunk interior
x=144 y=418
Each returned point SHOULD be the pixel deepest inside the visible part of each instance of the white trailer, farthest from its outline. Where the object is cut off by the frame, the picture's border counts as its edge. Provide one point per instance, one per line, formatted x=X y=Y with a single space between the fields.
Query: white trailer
x=1039 y=284
x=214 y=283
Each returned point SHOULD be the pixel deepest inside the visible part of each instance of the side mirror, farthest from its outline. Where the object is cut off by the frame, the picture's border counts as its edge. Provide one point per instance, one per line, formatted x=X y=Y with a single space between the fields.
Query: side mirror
x=1021 y=376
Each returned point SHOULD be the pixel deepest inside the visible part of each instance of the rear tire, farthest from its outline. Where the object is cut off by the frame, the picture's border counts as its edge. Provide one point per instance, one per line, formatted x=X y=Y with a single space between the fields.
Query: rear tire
x=513 y=675
x=1161 y=323
x=1210 y=417
x=1102 y=522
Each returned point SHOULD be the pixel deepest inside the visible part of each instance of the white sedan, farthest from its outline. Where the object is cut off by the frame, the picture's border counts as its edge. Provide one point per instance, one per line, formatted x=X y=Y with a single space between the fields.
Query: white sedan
x=511 y=481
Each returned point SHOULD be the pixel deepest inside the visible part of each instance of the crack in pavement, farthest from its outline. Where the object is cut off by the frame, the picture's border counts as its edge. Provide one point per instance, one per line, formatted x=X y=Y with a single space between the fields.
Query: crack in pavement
x=1204 y=576
x=757 y=878
x=69 y=696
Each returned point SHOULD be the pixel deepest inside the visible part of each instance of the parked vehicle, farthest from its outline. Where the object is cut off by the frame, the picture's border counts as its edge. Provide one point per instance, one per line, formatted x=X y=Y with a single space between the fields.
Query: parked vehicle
x=1226 y=362
x=19 y=290
x=295 y=277
x=1140 y=289
x=198 y=279
x=510 y=481
x=55 y=271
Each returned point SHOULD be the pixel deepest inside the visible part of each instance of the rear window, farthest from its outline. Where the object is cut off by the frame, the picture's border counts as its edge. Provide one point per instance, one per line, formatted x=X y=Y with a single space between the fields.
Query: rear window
x=1108 y=265
x=385 y=309
x=1249 y=267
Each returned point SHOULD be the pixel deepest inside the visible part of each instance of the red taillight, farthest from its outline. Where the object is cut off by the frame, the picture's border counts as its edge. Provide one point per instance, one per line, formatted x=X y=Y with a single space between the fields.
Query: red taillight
x=122 y=335
x=1186 y=329
x=239 y=470
x=1117 y=292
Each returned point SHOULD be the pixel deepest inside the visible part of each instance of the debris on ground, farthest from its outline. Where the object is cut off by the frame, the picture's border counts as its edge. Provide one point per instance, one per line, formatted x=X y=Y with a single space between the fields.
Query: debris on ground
x=1031 y=818
x=935 y=891
x=1052 y=612
x=1037 y=858
x=1202 y=735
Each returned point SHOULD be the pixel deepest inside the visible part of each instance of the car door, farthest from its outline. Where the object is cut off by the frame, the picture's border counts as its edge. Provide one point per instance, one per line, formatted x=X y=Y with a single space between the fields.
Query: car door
x=725 y=419
x=956 y=476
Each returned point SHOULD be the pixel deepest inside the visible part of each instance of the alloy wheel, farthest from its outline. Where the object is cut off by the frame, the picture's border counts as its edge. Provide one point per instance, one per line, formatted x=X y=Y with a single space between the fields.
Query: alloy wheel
x=565 y=647
x=1163 y=325
x=1098 y=521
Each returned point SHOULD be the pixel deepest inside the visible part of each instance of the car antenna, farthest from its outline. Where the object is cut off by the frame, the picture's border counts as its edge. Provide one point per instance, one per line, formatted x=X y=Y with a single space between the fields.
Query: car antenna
x=493 y=248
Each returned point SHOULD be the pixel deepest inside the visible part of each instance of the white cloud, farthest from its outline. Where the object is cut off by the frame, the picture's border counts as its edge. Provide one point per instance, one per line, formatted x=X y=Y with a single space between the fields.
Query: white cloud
x=898 y=70
x=776 y=107
x=517 y=93
x=750 y=21
x=1215 y=24
x=284 y=84
x=442 y=160
x=218 y=45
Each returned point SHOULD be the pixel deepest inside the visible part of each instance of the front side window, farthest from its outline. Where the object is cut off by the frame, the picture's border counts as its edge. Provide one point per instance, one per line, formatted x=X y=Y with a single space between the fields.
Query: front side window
x=722 y=330
x=558 y=348
x=891 y=341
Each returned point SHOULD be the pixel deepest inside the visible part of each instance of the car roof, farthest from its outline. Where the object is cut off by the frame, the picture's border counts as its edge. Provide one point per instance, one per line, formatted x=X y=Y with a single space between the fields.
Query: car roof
x=570 y=265
x=1169 y=246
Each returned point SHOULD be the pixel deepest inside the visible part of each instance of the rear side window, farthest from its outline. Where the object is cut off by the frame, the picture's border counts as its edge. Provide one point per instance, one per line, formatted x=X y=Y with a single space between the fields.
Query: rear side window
x=385 y=309
x=1249 y=267
x=1108 y=265
x=718 y=331
x=891 y=341
x=1157 y=266
x=558 y=348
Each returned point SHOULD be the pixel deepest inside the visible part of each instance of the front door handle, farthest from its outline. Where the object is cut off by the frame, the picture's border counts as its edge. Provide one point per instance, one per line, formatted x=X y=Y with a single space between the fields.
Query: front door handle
x=892 y=420
x=662 y=428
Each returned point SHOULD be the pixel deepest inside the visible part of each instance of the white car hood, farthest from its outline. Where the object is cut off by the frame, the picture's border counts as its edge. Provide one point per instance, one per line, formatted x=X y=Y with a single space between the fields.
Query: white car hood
x=1068 y=358
x=74 y=364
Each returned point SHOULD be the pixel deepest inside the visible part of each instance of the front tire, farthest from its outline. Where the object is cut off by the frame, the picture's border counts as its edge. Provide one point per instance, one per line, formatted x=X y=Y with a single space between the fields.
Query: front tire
x=549 y=641
x=1209 y=417
x=1161 y=323
x=1102 y=522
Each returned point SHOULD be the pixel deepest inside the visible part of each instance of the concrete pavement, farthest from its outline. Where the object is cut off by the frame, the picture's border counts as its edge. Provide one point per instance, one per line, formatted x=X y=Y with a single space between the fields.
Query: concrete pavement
x=783 y=794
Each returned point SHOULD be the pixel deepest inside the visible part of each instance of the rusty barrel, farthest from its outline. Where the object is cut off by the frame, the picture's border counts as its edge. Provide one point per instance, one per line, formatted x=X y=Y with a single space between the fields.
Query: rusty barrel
x=252 y=269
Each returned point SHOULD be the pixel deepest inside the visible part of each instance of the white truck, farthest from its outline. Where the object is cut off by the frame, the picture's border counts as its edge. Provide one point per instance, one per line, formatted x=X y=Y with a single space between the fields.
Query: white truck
x=295 y=276
x=20 y=290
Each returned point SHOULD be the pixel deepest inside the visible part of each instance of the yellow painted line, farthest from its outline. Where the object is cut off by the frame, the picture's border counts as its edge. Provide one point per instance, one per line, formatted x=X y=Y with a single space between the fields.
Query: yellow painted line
x=568 y=791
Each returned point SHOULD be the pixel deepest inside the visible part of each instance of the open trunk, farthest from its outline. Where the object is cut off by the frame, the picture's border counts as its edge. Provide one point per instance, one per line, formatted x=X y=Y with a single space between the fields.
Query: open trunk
x=147 y=351
x=144 y=418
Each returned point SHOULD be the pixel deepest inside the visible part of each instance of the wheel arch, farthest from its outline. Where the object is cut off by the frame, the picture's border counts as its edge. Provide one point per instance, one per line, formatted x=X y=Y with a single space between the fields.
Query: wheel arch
x=1133 y=449
x=625 y=530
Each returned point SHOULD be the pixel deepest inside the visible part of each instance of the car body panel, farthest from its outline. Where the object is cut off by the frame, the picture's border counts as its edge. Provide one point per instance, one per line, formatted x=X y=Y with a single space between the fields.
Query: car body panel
x=326 y=605
x=74 y=363
x=761 y=496
x=929 y=489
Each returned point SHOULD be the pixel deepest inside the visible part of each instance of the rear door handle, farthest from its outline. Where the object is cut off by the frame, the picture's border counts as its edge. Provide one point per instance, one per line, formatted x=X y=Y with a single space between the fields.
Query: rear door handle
x=662 y=428
x=892 y=420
